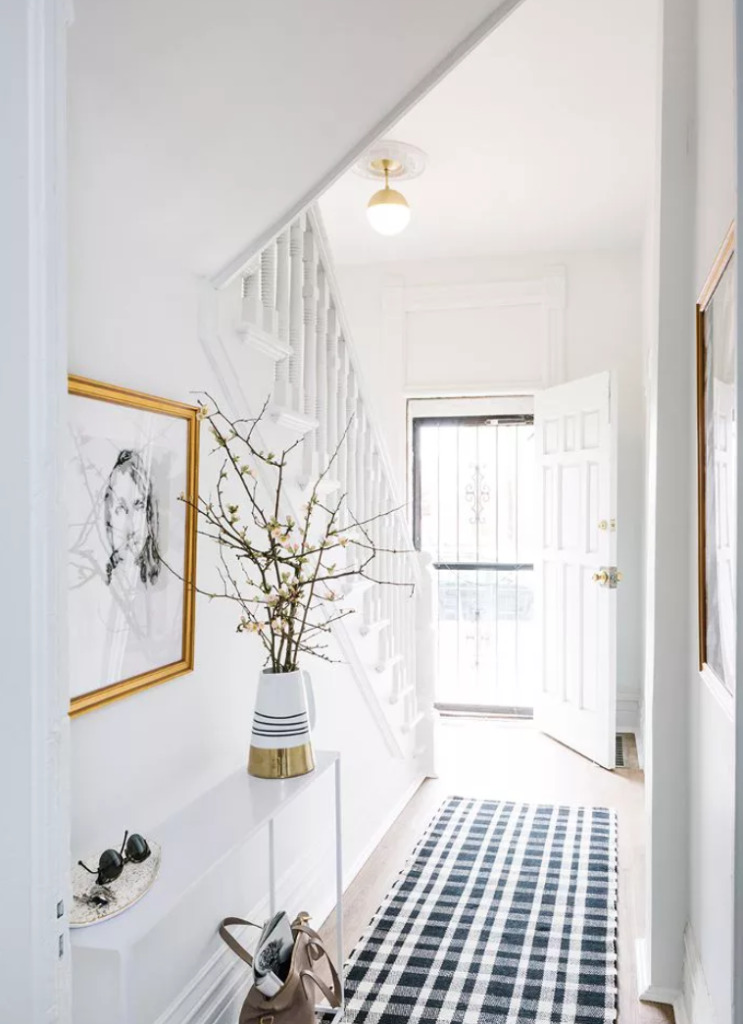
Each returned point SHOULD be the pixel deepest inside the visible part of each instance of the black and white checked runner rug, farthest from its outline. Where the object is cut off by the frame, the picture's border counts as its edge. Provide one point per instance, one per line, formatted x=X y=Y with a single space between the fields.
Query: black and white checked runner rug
x=505 y=913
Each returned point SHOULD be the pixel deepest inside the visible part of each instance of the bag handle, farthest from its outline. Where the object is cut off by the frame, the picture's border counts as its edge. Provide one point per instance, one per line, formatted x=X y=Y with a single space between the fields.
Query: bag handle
x=232 y=941
x=317 y=951
x=333 y=995
x=315 y=946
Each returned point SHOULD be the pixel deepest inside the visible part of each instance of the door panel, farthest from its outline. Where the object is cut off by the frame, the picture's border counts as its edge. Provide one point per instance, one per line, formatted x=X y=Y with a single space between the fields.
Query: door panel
x=575 y=429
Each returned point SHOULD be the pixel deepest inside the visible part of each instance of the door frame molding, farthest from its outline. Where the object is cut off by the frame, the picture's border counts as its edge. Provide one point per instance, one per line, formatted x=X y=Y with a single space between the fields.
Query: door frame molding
x=547 y=291
x=34 y=755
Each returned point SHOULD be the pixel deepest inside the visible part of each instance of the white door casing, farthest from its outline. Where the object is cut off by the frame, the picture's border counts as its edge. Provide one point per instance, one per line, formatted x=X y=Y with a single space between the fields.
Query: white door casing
x=575 y=695
x=34 y=758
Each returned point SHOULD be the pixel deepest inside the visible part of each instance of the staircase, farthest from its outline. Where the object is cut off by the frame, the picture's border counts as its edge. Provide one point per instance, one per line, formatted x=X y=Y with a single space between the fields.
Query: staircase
x=279 y=327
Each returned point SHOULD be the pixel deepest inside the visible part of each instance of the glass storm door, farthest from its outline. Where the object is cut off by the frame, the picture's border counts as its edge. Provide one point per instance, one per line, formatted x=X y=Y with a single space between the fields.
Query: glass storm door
x=473 y=513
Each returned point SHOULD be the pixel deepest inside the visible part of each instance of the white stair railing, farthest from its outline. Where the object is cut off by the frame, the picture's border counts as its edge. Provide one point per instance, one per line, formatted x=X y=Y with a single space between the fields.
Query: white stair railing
x=291 y=311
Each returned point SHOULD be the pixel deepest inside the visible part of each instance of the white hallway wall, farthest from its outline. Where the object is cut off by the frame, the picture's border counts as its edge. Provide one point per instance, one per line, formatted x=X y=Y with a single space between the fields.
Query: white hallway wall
x=135 y=320
x=690 y=855
x=602 y=329
x=138 y=760
x=712 y=737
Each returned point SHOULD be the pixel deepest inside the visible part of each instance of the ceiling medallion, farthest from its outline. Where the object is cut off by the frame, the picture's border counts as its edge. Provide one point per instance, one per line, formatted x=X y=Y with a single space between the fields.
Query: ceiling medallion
x=388 y=210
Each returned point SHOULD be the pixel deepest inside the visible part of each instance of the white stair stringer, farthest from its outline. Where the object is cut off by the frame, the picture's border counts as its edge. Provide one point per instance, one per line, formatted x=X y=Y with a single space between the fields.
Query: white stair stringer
x=246 y=331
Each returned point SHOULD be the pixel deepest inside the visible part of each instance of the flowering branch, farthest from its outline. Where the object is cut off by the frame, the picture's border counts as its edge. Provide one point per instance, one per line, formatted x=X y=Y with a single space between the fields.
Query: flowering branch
x=281 y=572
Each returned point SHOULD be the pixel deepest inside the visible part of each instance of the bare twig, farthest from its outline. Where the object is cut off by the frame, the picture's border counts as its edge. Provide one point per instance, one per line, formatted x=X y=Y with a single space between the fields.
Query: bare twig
x=277 y=570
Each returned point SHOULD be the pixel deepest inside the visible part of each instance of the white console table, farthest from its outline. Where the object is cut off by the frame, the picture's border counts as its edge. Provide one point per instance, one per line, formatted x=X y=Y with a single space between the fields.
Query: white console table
x=194 y=841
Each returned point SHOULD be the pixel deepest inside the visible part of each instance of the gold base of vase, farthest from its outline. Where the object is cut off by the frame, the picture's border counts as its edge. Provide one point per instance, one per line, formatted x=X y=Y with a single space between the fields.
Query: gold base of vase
x=281 y=762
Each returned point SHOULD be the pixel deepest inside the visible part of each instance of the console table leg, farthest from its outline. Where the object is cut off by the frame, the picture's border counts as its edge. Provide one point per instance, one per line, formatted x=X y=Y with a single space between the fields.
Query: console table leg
x=271 y=868
x=339 y=882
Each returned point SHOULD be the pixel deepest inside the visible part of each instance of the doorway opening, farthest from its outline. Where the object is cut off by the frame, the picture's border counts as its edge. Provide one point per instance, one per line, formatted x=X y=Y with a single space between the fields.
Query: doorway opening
x=473 y=512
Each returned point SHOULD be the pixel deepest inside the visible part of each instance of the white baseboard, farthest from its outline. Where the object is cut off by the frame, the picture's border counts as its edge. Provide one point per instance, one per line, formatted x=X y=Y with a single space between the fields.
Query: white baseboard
x=697 y=1005
x=640 y=744
x=383 y=829
x=679 y=1011
x=646 y=992
x=628 y=712
x=216 y=992
x=692 y=1003
x=641 y=967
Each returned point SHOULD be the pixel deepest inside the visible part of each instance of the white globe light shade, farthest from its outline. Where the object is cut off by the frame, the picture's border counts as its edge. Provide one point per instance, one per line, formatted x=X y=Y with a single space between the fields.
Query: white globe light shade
x=388 y=212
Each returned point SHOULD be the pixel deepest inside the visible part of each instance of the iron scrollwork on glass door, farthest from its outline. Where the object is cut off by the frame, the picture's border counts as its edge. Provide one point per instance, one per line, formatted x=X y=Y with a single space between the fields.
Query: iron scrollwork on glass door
x=473 y=501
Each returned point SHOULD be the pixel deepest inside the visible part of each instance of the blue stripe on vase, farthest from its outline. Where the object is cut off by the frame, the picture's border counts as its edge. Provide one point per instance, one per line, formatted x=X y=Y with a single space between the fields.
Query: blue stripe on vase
x=281 y=735
x=261 y=714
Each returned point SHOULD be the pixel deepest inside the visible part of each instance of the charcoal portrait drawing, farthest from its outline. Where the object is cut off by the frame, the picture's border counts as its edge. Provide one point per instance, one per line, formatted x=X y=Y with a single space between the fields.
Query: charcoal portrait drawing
x=130 y=516
x=131 y=546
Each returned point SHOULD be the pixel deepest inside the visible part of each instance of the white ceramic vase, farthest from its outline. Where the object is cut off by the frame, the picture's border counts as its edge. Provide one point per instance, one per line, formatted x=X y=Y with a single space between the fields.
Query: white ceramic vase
x=283 y=719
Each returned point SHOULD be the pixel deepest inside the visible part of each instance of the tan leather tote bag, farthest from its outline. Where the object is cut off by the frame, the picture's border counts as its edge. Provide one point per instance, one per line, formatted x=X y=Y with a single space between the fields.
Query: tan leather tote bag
x=310 y=971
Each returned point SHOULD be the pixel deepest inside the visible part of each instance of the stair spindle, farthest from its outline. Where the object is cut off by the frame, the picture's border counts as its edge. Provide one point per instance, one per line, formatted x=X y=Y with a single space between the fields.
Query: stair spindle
x=283 y=273
x=331 y=390
x=351 y=395
x=309 y=297
x=341 y=391
x=252 y=310
x=296 y=322
x=269 y=316
x=321 y=354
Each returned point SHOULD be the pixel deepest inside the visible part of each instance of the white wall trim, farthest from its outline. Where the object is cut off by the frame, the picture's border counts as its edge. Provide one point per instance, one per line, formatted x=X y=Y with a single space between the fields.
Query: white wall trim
x=547 y=291
x=646 y=992
x=486 y=294
x=695 y=1004
x=628 y=712
x=34 y=757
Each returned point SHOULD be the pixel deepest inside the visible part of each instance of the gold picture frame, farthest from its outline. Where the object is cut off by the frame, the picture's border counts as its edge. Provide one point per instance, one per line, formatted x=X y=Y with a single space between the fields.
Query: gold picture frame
x=716 y=374
x=89 y=536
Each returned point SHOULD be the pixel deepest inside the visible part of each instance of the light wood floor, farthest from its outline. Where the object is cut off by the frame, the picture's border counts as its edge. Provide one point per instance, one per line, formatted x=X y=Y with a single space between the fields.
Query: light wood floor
x=511 y=760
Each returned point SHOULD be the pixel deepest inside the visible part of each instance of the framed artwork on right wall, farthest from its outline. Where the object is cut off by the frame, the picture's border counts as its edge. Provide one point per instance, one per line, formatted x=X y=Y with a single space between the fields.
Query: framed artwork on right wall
x=717 y=421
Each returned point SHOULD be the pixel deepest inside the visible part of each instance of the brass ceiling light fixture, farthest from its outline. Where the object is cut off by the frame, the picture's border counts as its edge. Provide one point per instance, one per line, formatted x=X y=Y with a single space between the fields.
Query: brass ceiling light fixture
x=388 y=210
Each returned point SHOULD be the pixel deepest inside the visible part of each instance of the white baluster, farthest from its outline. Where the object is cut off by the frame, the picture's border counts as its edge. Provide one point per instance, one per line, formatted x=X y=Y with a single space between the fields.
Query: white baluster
x=341 y=392
x=366 y=512
x=296 y=314
x=251 y=304
x=384 y=566
x=397 y=613
x=376 y=488
x=359 y=460
x=269 y=318
x=351 y=393
x=321 y=354
x=309 y=299
x=282 y=388
x=331 y=387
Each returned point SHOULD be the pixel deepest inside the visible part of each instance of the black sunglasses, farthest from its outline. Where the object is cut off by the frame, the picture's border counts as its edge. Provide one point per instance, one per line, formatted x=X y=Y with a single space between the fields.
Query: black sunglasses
x=134 y=849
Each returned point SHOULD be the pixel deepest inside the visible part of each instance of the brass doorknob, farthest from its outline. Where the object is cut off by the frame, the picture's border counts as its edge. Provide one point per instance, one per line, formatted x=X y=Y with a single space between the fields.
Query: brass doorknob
x=607 y=577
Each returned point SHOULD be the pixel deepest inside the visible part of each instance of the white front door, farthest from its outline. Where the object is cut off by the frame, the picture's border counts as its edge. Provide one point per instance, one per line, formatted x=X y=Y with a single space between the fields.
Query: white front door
x=575 y=428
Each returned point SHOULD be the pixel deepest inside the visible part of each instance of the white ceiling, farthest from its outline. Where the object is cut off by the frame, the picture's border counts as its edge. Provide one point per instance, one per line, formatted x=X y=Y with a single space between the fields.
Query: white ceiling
x=541 y=140
x=197 y=128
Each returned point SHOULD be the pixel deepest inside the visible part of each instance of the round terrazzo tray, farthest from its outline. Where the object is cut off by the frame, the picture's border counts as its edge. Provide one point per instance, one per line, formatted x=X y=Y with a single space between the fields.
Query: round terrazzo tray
x=132 y=884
